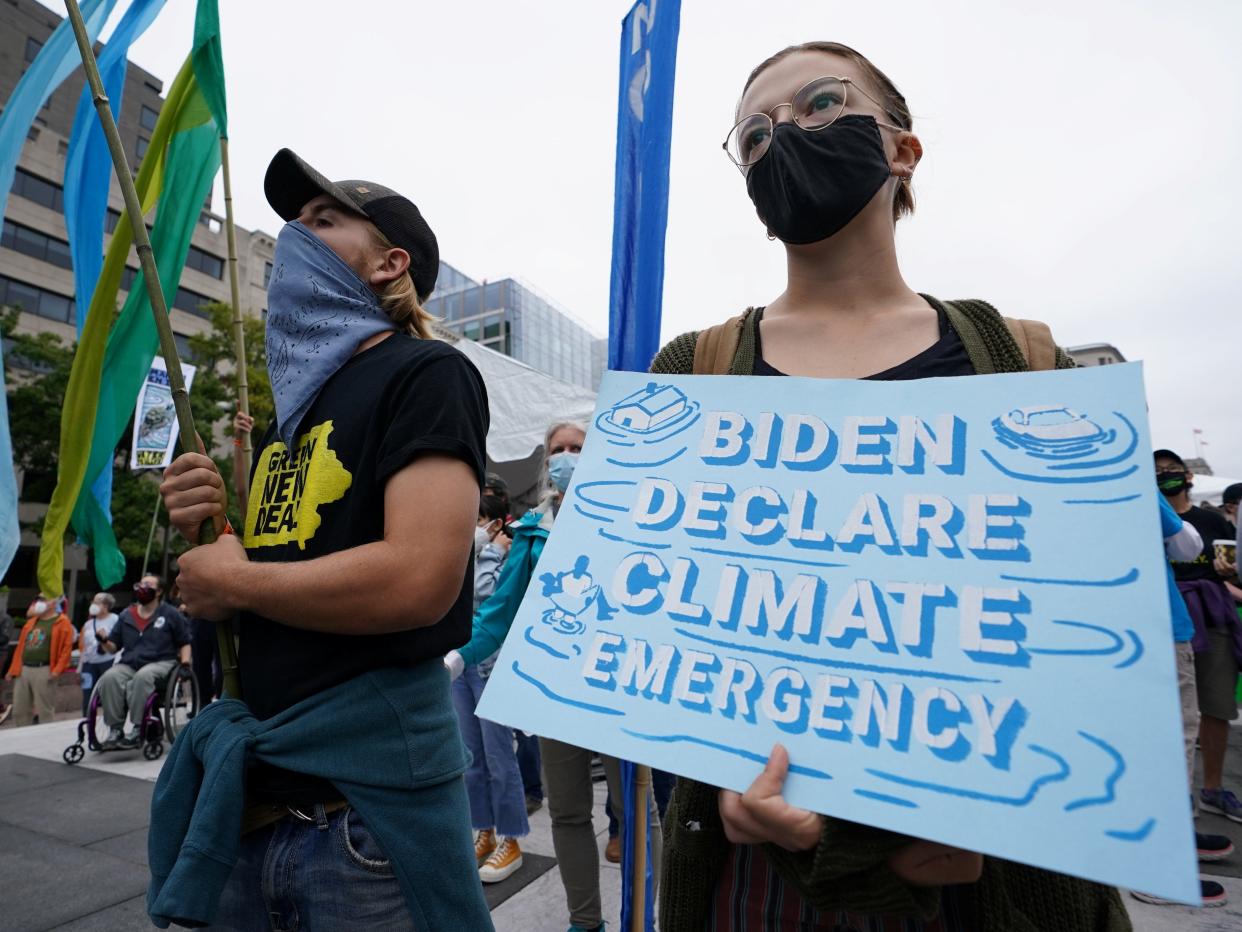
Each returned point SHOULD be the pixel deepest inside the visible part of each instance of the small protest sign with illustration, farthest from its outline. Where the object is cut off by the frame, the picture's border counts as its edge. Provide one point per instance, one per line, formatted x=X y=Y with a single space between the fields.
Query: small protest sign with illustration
x=946 y=597
x=155 y=418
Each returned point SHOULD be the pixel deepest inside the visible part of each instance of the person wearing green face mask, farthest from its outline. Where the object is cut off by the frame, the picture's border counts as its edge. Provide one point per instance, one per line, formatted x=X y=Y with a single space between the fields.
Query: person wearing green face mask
x=1218 y=634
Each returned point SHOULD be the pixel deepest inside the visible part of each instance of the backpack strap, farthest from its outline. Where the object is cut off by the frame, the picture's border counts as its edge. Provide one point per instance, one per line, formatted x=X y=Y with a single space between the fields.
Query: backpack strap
x=716 y=346
x=1035 y=340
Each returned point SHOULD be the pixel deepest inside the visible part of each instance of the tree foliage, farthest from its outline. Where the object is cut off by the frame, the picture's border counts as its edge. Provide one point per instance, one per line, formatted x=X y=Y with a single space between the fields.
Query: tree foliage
x=37 y=375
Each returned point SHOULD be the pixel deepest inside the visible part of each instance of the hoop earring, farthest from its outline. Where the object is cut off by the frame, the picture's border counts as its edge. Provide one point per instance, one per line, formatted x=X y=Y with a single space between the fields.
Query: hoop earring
x=771 y=236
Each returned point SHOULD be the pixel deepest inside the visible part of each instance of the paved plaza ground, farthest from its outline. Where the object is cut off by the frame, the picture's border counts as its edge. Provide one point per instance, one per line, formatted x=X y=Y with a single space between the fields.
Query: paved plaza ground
x=73 y=848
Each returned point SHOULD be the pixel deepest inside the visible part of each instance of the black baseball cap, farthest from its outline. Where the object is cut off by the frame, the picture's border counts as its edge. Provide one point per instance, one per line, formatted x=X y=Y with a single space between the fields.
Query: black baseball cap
x=1169 y=455
x=290 y=183
x=1232 y=494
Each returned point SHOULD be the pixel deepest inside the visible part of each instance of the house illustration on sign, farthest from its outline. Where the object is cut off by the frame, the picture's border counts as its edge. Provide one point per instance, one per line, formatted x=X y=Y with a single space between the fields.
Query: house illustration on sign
x=649 y=409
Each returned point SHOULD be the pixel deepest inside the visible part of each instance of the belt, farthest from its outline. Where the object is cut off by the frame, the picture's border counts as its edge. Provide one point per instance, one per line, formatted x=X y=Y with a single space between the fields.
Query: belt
x=261 y=816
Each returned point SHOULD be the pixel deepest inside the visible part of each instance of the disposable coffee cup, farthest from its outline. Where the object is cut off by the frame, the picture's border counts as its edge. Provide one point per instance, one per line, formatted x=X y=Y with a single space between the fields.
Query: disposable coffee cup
x=1226 y=550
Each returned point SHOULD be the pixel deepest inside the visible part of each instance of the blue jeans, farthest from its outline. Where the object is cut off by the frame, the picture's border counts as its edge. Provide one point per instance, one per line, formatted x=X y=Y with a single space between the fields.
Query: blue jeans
x=493 y=781
x=325 y=874
x=528 y=764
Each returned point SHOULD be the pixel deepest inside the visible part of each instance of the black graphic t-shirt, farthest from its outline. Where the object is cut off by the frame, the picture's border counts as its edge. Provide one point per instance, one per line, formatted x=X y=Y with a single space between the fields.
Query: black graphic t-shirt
x=385 y=407
x=1210 y=526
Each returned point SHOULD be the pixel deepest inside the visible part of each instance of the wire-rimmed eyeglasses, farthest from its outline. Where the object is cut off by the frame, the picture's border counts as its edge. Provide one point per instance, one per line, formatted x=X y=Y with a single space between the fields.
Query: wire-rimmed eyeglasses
x=816 y=106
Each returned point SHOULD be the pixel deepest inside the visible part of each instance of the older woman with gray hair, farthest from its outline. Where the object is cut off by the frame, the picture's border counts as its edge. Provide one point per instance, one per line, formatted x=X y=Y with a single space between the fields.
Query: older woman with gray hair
x=93 y=660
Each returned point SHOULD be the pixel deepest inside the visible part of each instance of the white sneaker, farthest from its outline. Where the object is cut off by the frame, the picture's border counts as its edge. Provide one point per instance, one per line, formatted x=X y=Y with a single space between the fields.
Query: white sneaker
x=503 y=862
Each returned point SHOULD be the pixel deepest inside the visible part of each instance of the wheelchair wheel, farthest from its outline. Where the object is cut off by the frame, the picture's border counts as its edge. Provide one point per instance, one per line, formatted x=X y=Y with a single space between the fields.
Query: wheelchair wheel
x=93 y=728
x=180 y=702
x=152 y=750
x=74 y=753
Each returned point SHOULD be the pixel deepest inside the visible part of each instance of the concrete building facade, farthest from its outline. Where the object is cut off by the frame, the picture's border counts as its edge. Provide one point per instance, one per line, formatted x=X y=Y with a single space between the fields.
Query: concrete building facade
x=35 y=270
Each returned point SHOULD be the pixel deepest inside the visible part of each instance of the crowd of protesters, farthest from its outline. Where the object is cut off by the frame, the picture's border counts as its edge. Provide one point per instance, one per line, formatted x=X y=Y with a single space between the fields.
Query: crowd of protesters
x=393 y=556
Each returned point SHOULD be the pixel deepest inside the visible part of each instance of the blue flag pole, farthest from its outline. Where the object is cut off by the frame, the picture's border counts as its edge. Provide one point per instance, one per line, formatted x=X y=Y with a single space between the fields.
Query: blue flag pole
x=640 y=218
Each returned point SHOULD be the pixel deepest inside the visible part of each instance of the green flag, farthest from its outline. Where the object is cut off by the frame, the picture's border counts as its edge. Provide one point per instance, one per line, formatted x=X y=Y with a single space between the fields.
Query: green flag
x=208 y=61
x=178 y=170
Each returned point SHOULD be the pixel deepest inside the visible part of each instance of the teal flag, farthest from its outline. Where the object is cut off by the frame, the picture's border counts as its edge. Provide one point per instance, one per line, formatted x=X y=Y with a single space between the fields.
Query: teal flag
x=55 y=62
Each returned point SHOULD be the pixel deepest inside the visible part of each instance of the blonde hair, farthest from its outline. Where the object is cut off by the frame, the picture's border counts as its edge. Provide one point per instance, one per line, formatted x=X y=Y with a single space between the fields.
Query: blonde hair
x=894 y=102
x=399 y=297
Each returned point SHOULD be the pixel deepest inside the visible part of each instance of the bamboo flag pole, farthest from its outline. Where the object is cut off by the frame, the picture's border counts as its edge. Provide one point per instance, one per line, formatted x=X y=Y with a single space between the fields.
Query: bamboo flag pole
x=638 y=883
x=155 y=513
x=239 y=332
x=150 y=277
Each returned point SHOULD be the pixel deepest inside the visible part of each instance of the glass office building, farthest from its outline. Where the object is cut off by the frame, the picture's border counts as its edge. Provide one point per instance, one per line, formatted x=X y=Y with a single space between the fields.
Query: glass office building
x=512 y=318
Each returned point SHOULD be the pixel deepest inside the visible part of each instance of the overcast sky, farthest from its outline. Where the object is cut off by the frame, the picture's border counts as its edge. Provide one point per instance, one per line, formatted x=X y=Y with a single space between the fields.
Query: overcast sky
x=1081 y=159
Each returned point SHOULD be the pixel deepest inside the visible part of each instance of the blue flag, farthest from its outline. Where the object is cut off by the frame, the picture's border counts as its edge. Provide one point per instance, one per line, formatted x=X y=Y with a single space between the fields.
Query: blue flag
x=88 y=164
x=640 y=209
x=55 y=62
x=88 y=174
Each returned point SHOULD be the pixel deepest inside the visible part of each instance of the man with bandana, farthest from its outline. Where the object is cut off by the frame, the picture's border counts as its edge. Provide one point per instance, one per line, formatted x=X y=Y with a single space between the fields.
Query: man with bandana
x=153 y=638
x=349 y=581
x=1218 y=634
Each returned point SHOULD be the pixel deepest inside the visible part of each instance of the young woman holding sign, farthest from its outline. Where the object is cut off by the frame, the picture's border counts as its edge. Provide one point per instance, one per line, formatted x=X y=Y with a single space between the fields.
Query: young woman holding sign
x=824 y=142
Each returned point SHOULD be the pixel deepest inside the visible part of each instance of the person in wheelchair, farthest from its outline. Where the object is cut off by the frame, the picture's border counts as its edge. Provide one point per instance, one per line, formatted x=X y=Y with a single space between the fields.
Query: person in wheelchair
x=153 y=637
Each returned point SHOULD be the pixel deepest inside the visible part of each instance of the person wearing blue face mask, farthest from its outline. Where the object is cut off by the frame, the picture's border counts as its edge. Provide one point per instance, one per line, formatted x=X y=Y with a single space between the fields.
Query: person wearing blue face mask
x=566 y=769
x=332 y=797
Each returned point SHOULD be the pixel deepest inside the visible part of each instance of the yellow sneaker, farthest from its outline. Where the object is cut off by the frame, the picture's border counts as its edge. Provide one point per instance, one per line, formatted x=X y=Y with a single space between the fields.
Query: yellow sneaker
x=504 y=861
x=484 y=845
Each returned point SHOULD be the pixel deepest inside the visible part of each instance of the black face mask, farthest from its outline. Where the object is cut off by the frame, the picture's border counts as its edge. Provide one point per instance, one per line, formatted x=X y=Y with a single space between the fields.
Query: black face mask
x=1171 y=483
x=811 y=184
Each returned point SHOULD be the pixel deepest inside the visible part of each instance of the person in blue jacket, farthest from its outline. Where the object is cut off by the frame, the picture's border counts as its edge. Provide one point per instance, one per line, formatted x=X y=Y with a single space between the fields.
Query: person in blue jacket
x=566 y=769
x=1182 y=542
x=493 y=779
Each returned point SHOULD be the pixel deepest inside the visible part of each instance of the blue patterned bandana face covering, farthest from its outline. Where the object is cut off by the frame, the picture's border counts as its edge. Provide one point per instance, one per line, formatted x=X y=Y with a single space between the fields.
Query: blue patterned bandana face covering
x=318 y=312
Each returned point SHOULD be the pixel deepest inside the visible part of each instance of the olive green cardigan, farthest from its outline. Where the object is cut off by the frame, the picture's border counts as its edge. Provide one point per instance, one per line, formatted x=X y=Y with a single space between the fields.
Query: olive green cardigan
x=848 y=869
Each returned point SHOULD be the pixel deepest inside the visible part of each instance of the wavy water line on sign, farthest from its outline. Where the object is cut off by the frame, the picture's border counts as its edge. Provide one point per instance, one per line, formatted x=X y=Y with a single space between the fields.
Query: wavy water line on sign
x=663 y=462
x=1117 y=642
x=563 y=699
x=765 y=558
x=1063 y=772
x=625 y=540
x=728 y=749
x=1101 y=501
x=1125 y=580
x=586 y=514
x=885 y=798
x=1138 y=834
x=1110 y=784
x=1056 y=480
x=534 y=641
x=580 y=492
x=1138 y=651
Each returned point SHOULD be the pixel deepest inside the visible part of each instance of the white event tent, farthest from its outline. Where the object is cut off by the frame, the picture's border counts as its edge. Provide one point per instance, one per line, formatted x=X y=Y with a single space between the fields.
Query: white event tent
x=523 y=402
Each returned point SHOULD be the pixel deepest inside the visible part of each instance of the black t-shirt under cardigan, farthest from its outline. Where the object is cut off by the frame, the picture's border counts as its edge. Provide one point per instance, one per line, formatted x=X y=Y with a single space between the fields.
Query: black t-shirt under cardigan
x=400 y=399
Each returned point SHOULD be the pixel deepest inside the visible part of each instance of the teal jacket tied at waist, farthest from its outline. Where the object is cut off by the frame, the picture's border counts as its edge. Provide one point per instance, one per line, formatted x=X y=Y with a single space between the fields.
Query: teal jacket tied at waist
x=389 y=742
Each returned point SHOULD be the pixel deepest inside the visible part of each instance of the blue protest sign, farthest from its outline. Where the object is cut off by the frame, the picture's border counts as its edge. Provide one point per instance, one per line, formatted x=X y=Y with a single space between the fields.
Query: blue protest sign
x=946 y=597
x=640 y=202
